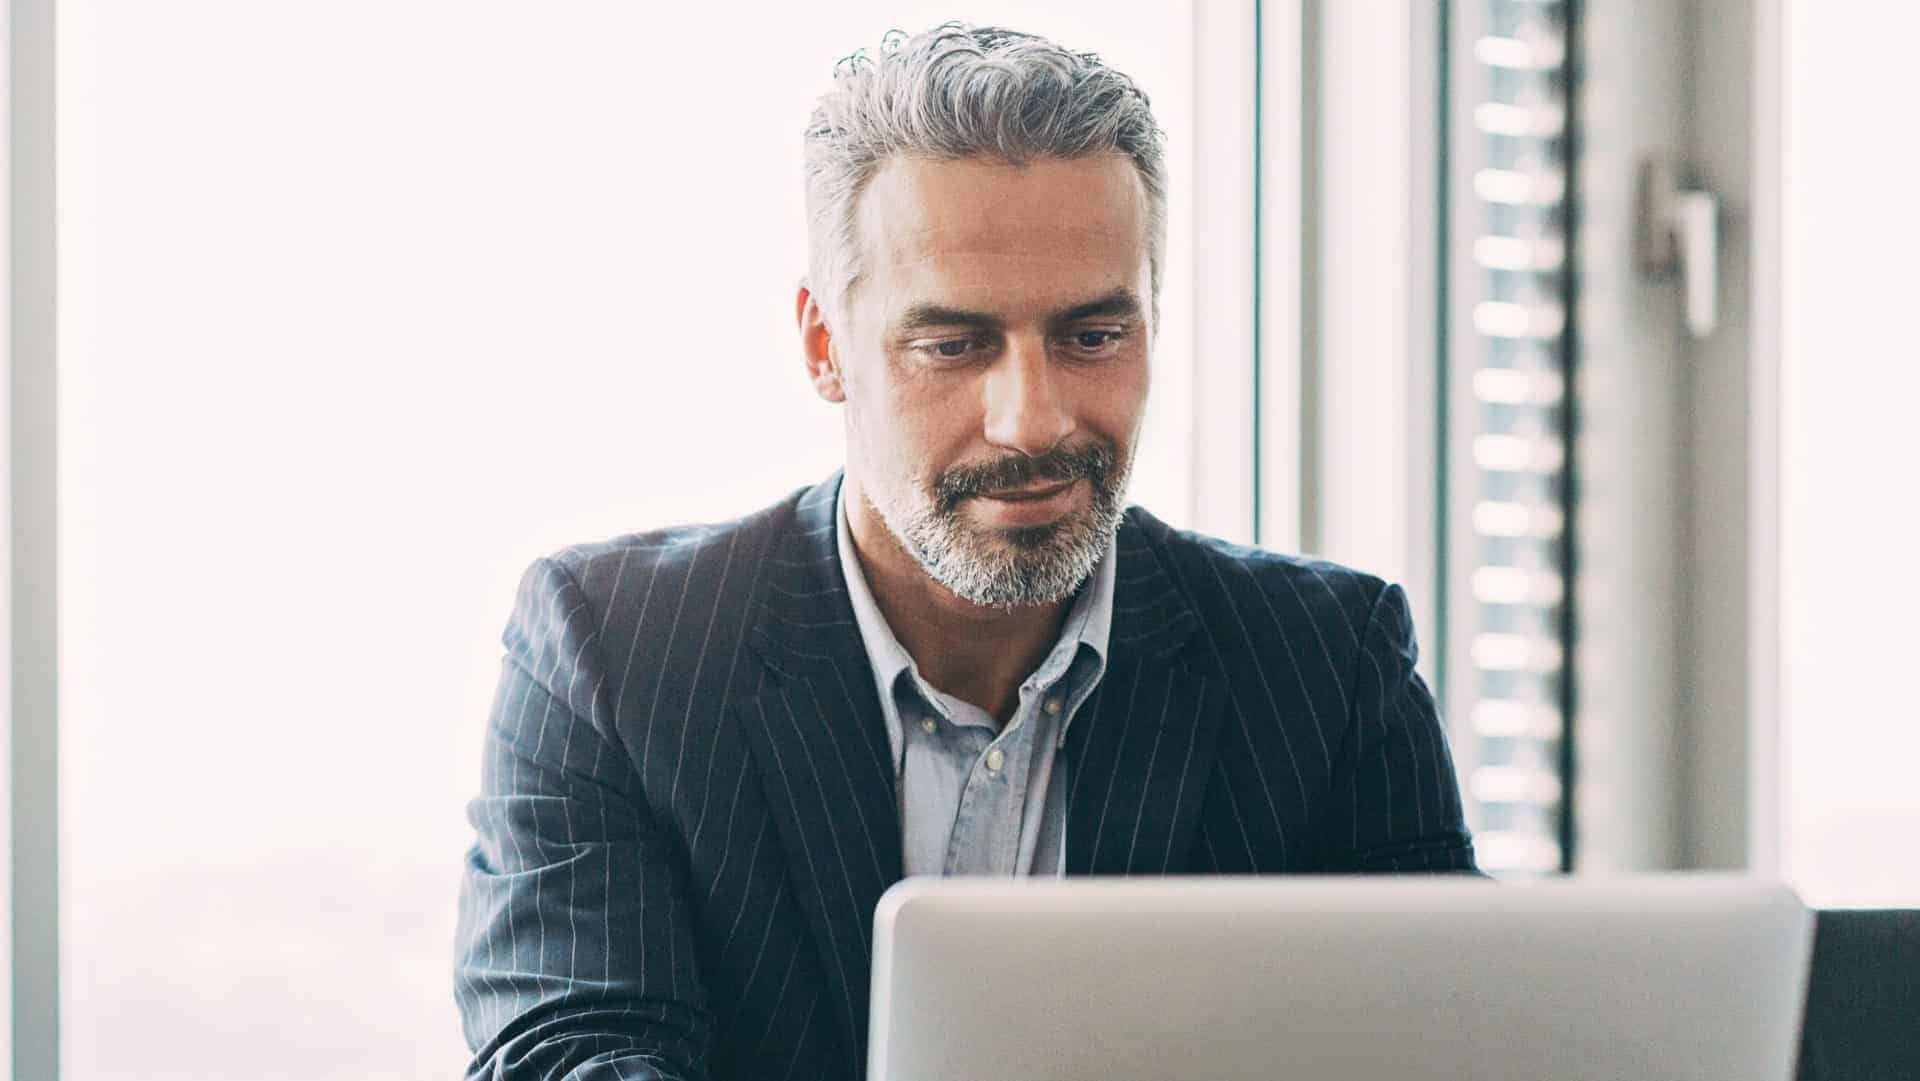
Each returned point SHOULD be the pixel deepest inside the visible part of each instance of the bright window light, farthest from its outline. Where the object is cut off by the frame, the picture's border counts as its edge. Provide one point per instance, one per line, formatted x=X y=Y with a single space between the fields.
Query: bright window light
x=1849 y=379
x=364 y=306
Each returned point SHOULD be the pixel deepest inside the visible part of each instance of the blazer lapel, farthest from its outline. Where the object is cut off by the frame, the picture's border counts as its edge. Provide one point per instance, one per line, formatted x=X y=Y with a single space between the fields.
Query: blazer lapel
x=1139 y=757
x=819 y=740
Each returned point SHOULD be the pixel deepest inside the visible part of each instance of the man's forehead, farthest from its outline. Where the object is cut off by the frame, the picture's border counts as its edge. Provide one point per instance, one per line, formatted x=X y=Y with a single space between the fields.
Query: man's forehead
x=1075 y=227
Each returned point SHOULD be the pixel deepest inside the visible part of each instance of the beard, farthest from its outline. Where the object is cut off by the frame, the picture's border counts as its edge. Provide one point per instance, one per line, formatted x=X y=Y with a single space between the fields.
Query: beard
x=1025 y=566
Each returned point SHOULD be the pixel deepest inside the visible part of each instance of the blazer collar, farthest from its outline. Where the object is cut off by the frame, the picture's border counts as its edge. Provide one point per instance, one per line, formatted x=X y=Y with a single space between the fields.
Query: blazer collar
x=803 y=617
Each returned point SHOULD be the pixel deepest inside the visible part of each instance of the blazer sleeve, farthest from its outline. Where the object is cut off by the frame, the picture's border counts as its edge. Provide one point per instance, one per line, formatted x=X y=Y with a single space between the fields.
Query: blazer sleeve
x=1395 y=802
x=574 y=952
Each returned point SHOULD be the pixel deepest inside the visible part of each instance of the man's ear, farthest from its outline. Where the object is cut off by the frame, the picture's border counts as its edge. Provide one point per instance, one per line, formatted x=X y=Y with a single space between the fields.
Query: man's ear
x=816 y=343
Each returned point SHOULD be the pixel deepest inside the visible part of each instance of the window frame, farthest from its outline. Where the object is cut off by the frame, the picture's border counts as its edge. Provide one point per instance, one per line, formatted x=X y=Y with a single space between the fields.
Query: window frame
x=32 y=987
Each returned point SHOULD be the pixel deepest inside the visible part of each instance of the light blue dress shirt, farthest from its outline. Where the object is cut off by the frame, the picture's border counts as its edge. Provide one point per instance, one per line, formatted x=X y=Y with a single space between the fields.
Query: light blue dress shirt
x=975 y=798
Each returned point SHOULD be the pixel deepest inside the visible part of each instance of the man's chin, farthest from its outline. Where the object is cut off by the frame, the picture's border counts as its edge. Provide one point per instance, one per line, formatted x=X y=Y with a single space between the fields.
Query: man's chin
x=1032 y=546
x=1032 y=538
x=1003 y=541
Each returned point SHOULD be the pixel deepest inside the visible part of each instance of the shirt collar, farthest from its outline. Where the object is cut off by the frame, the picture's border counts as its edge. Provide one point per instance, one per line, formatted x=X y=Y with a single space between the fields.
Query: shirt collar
x=1088 y=623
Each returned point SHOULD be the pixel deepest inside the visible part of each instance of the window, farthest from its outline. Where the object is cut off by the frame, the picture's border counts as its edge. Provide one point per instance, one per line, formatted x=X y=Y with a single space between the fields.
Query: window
x=364 y=305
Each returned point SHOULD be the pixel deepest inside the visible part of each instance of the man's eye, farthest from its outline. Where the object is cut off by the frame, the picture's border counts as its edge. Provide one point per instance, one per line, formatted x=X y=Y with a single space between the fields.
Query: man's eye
x=1096 y=341
x=949 y=349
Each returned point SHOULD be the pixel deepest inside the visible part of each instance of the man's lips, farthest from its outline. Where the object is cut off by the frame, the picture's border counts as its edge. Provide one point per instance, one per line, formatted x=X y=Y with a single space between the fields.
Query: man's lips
x=1026 y=495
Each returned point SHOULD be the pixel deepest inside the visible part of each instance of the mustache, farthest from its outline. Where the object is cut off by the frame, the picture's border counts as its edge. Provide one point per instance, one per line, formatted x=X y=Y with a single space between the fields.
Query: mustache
x=1092 y=461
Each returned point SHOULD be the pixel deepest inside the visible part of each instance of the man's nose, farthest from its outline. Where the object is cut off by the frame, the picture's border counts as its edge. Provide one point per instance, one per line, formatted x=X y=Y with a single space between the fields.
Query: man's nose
x=1025 y=411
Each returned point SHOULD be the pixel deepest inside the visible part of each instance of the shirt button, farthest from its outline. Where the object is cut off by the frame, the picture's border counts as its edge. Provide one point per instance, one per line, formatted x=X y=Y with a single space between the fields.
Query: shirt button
x=994 y=760
x=927 y=724
x=1053 y=705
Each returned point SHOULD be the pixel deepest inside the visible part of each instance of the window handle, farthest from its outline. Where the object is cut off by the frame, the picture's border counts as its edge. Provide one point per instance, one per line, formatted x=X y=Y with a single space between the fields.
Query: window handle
x=1680 y=232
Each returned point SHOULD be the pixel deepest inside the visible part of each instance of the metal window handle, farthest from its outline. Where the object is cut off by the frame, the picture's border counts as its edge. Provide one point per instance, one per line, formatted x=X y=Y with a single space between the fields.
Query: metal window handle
x=1680 y=231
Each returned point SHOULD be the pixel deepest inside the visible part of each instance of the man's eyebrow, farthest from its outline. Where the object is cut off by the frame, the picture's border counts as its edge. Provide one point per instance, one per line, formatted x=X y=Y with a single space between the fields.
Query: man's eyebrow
x=1122 y=303
x=920 y=316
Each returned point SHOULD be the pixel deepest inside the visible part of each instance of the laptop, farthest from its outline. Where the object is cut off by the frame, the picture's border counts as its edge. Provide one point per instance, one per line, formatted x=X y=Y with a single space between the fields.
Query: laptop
x=1381 y=979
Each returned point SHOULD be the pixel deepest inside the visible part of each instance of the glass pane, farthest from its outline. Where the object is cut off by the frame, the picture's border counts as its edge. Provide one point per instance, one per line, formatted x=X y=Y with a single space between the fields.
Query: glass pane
x=364 y=306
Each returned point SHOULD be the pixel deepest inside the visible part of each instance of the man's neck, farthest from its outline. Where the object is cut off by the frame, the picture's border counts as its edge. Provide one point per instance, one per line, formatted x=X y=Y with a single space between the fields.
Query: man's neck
x=973 y=652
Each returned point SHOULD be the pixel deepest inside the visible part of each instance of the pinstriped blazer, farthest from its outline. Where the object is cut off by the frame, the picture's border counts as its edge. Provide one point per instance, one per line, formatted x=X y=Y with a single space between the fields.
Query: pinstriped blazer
x=687 y=813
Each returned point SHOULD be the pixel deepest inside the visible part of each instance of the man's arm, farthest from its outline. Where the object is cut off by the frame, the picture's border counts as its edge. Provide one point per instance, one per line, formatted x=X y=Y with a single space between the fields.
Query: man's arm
x=575 y=956
x=1395 y=803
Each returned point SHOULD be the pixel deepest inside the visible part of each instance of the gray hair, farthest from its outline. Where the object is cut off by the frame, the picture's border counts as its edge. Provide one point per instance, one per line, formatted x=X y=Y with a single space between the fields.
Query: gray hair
x=960 y=91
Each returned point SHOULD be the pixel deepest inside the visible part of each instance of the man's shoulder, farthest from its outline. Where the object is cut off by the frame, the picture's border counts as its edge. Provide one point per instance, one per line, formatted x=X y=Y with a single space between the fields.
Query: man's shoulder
x=1212 y=567
x=716 y=559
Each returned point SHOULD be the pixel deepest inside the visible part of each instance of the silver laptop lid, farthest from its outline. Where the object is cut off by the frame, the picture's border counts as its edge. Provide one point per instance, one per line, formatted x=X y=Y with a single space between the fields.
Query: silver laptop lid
x=1626 y=979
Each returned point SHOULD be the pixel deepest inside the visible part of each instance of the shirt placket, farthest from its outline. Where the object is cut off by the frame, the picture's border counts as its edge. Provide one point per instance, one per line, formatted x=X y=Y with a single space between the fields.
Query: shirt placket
x=1016 y=745
x=991 y=805
x=976 y=804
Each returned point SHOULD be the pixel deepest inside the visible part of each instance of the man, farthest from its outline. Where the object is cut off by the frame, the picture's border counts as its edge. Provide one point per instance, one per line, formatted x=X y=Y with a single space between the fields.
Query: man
x=713 y=748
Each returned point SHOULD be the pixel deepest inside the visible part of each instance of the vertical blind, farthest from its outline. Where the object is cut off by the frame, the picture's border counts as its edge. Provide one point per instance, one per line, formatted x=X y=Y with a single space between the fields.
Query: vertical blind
x=1511 y=425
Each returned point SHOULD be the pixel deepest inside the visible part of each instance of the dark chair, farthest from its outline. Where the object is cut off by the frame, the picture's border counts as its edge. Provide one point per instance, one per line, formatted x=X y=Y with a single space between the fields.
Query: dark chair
x=1863 y=998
